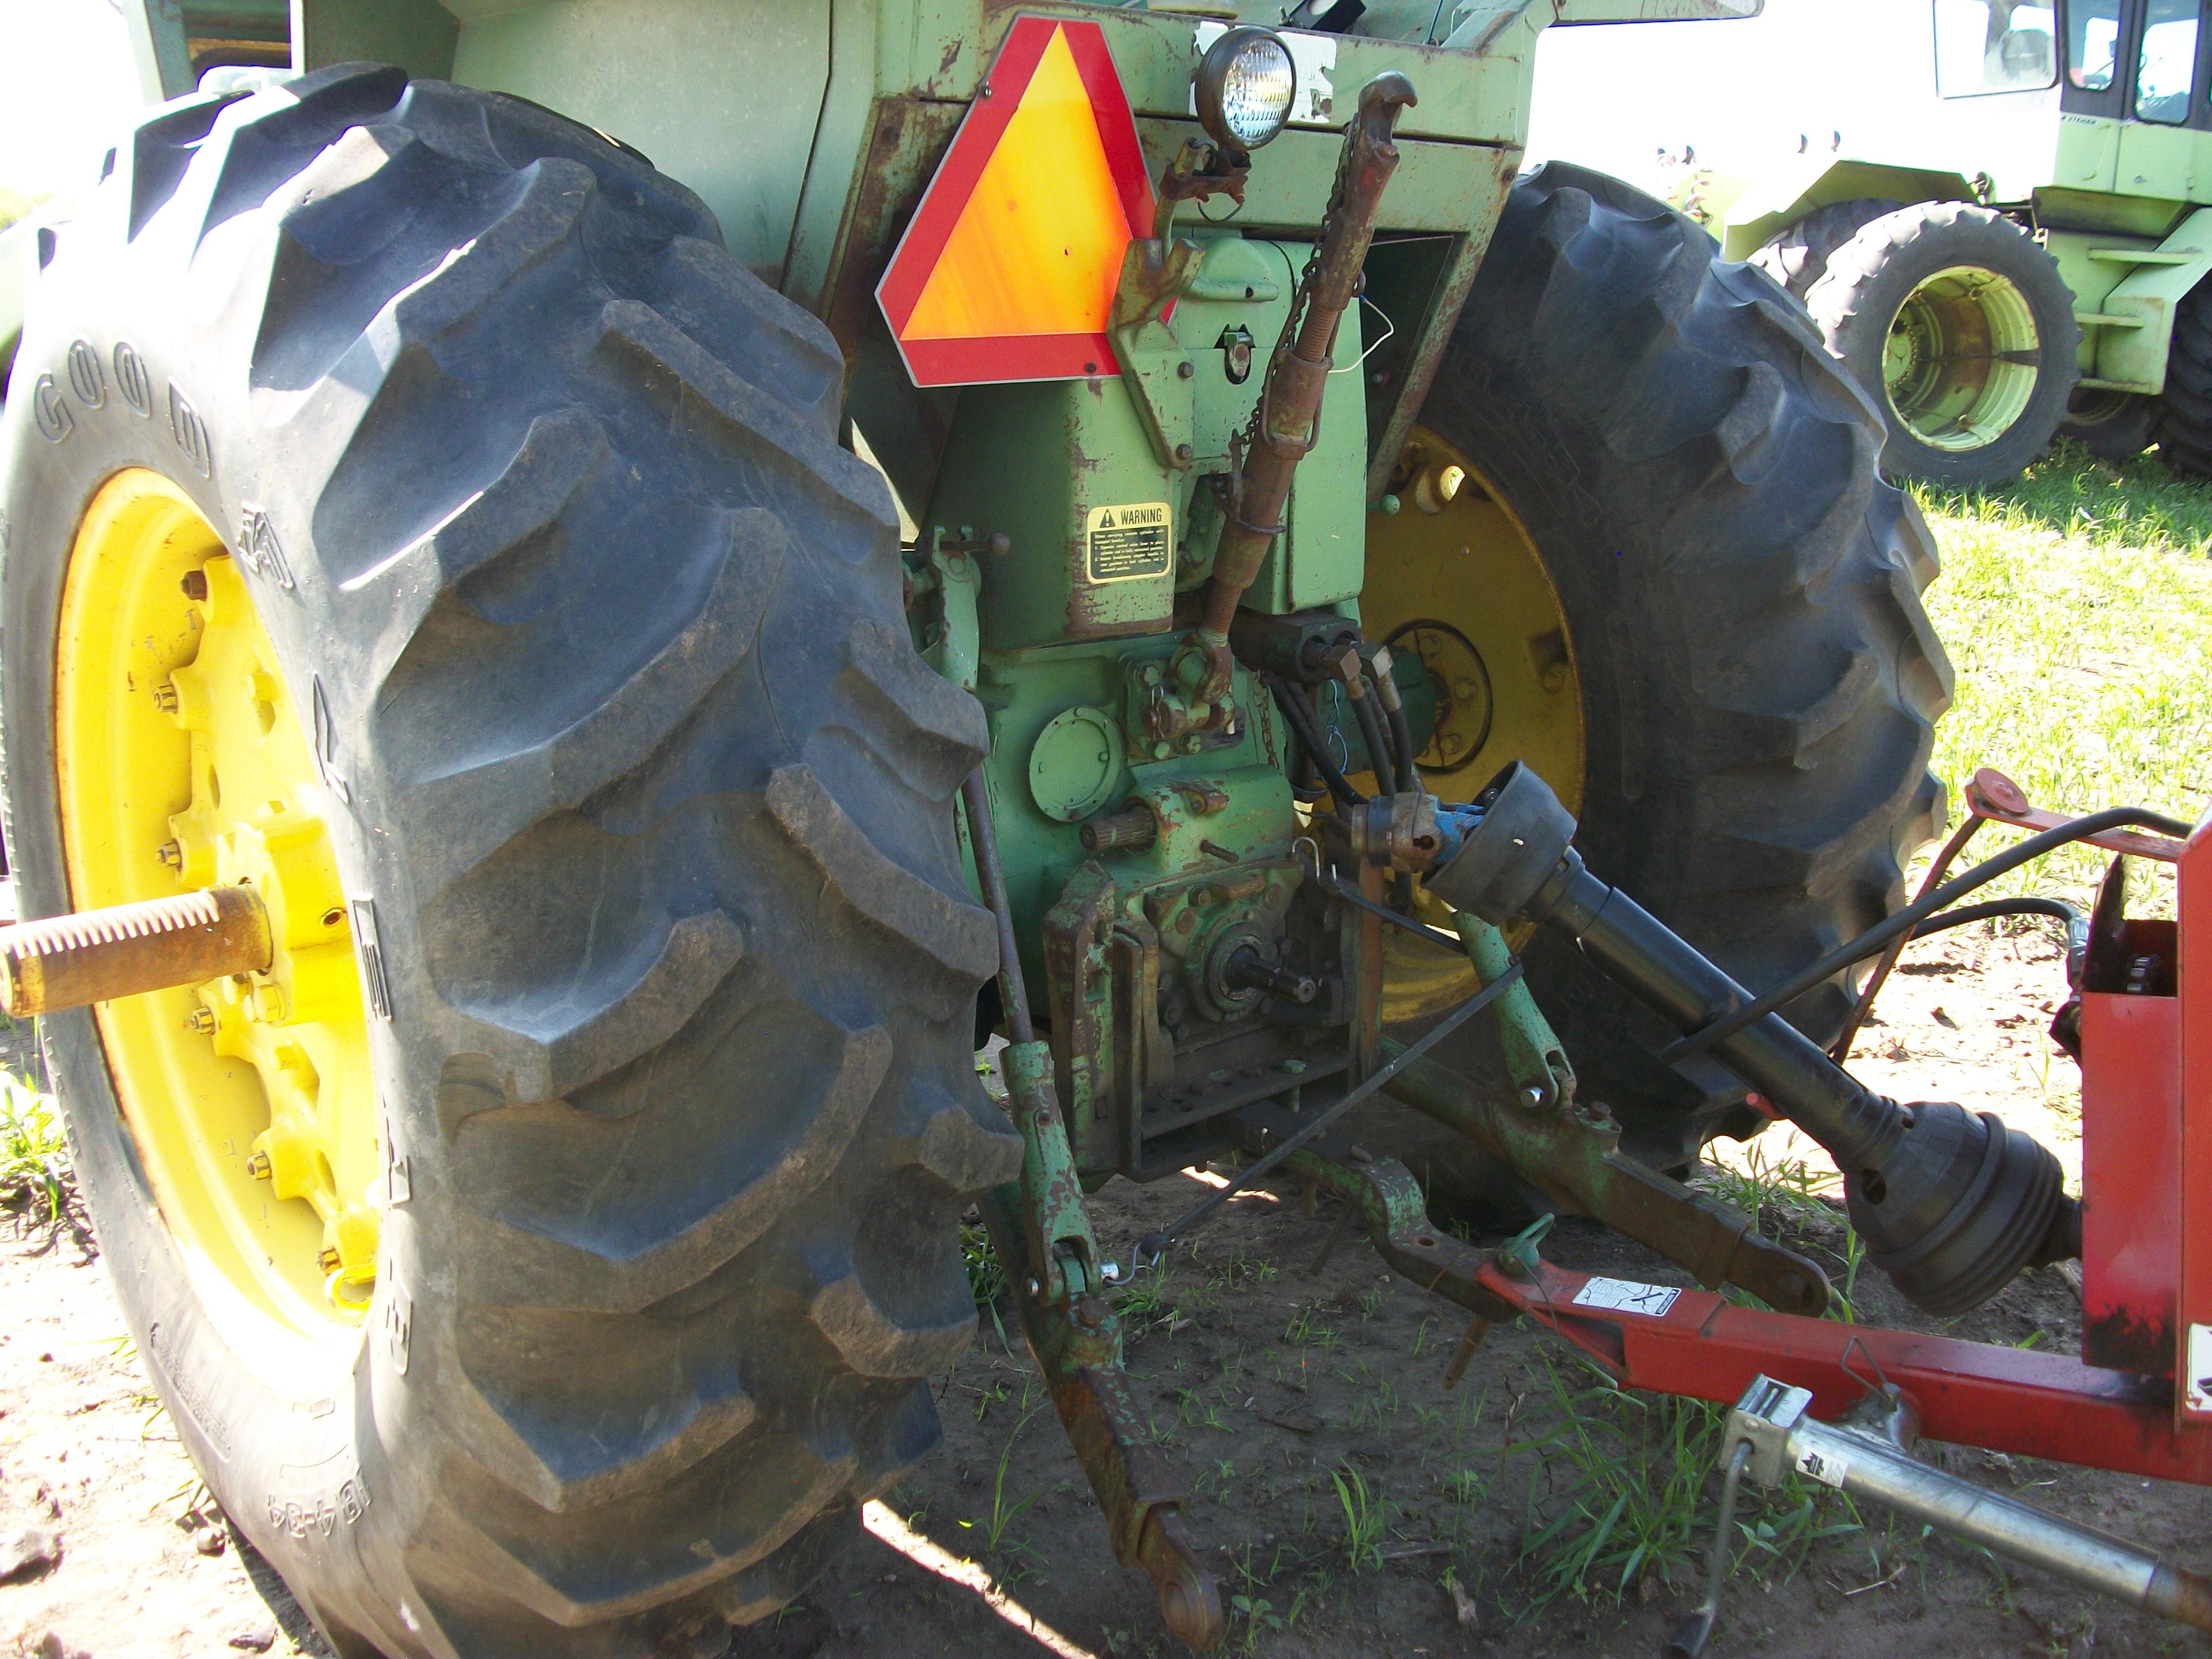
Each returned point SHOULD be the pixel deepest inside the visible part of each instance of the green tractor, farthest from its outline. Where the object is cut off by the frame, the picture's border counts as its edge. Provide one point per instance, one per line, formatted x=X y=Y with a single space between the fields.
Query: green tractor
x=2028 y=259
x=577 y=669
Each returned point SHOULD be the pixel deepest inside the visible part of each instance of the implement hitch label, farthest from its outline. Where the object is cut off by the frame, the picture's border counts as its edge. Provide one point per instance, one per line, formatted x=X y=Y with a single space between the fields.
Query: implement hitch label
x=1627 y=1296
x=1122 y=544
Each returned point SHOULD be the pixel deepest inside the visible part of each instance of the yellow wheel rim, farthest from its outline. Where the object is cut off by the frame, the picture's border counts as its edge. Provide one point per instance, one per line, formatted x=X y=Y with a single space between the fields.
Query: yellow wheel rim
x=1454 y=578
x=1961 y=358
x=183 y=764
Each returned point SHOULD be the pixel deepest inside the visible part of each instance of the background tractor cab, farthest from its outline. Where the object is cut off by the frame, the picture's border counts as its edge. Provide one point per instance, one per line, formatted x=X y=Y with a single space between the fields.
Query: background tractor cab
x=2011 y=261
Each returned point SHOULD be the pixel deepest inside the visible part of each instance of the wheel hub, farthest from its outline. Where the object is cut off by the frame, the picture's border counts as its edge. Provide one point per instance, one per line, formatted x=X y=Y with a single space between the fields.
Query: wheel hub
x=1961 y=358
x=184 y=763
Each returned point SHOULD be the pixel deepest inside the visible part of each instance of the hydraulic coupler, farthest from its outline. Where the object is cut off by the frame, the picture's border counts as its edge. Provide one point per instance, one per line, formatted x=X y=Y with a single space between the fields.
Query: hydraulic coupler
x=1951 y=1205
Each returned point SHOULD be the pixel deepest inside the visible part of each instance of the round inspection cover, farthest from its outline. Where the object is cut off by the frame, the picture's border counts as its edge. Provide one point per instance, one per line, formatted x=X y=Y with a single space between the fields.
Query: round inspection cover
x=1075 y=763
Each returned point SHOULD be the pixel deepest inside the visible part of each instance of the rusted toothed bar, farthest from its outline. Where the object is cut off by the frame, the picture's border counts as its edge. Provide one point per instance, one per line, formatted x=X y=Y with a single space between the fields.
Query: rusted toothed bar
x=97 y=955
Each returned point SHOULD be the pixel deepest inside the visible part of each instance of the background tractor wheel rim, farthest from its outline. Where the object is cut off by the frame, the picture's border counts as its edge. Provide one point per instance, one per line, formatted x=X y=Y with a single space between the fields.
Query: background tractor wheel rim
x=1961 y=359
x=1454 y=579
x=183 y=762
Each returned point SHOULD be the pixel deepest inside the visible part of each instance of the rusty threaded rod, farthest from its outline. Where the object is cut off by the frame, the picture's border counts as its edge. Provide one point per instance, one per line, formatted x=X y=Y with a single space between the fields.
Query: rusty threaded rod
x=97 y=955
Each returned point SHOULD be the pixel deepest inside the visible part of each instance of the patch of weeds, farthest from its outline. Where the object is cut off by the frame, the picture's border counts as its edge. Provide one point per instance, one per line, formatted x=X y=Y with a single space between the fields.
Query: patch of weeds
x=1194 y=1410
x=1788 y=1190
x=1144 y=1302
x=994 y=1528
x=1619 y=1496
x=1366 y=1517
x=1305 y=1330
x=987 y=1275
x=1251 y=1616
x=1243 y=1269
x=1791 y=1191
x=35 y=1162
x=1464 y=1486
x=1374 y=1404
x=1222 y=1478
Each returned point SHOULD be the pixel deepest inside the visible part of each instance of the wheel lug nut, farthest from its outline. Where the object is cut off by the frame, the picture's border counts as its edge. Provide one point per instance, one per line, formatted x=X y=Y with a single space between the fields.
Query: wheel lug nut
x=165 y=697
x=194 y=584
x=202 y=1021
x=328 y=1261
x=171 y=855
x=258 y=1166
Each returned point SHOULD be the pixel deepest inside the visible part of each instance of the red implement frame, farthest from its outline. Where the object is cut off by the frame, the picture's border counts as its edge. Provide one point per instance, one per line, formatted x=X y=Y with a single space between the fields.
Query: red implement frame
x=2147 y=1263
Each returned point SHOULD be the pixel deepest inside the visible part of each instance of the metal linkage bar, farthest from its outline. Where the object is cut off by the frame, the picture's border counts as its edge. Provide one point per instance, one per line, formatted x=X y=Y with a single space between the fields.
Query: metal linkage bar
x=1043 y=1238
x=2017 y=1400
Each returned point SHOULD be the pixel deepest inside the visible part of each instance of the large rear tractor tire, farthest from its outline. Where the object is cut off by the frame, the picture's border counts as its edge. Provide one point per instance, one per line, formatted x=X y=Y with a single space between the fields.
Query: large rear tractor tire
x=1962 y=331
x=1797 y=255
x=411 y=507
x=2113 y=426
x=1734 y=685
x=2184 y=413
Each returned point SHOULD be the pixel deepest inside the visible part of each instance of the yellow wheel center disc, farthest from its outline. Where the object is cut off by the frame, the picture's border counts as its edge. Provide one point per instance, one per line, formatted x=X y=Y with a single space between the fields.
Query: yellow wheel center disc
x=184 y=764
x=1455 y=580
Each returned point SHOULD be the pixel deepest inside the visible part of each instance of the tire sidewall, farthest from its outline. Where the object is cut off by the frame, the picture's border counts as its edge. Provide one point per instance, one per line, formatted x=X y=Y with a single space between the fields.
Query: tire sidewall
x=1983 y=240
x=300 y=1471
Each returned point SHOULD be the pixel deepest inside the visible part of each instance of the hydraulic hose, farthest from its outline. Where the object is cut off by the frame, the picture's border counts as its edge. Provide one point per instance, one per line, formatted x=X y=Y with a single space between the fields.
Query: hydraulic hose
x=1309 y=738
x=1907 y=920
x=1371 y=733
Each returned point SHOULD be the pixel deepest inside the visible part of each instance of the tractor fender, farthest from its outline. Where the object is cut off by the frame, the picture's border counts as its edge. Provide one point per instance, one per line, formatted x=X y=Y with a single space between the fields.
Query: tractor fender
x=1767 y=204
x=2133 y=359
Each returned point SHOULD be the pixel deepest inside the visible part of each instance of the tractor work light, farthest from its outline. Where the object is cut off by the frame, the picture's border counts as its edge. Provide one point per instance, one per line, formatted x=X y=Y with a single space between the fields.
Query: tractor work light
x=1246 y=83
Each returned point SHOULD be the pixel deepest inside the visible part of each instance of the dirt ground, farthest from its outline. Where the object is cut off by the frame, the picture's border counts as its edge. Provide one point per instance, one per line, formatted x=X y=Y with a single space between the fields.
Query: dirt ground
x=1283 y=1397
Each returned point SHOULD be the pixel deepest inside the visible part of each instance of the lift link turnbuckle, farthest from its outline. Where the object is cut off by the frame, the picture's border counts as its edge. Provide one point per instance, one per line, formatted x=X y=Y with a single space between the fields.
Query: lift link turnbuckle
x=1285 y=419
x=98 y=956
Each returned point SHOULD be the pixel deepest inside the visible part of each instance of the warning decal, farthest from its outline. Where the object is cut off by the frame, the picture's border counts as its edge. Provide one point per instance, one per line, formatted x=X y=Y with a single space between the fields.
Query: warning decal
x=1627 y=1296
x=1122 y=544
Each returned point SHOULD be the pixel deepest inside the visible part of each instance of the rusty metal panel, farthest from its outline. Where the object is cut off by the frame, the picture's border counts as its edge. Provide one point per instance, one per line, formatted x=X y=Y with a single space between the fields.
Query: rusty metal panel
x=2130 y=1182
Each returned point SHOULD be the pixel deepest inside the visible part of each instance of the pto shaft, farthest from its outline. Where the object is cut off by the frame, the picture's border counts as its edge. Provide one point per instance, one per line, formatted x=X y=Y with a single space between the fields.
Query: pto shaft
x=97 y=955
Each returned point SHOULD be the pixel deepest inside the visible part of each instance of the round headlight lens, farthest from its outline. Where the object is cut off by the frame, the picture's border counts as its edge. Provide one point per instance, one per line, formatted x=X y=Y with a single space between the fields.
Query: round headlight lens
x=1245 y=87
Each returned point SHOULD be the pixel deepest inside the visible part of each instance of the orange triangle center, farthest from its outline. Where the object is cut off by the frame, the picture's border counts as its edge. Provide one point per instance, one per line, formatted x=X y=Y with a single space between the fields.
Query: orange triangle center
x=1038 y=247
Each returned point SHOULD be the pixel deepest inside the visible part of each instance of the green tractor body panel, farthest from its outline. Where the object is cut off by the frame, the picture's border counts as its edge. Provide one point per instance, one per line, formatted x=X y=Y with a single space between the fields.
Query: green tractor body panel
x=1765 y=205
x=2128 y=290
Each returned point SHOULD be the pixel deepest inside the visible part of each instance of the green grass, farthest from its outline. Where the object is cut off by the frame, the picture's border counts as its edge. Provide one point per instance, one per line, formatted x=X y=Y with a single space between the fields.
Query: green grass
x=2076 y=604
x=1623 y=1489
x=34 y=1154
x=1367 y=1517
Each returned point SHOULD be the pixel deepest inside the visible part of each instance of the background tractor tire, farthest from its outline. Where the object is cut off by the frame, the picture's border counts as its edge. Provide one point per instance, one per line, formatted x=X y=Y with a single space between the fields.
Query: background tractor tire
x=1796 y=256
x=647 y=827
x=1742 y=594
x=2184 y=413
x=2113 y=426
x=1962 y=331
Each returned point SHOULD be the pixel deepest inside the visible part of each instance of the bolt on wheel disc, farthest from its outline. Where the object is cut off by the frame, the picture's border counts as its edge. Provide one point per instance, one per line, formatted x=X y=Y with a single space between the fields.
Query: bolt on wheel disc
x=184 y=764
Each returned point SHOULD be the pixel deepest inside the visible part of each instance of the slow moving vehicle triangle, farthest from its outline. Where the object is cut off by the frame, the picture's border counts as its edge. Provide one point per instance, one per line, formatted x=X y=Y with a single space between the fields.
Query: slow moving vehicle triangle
x=1008 y=268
